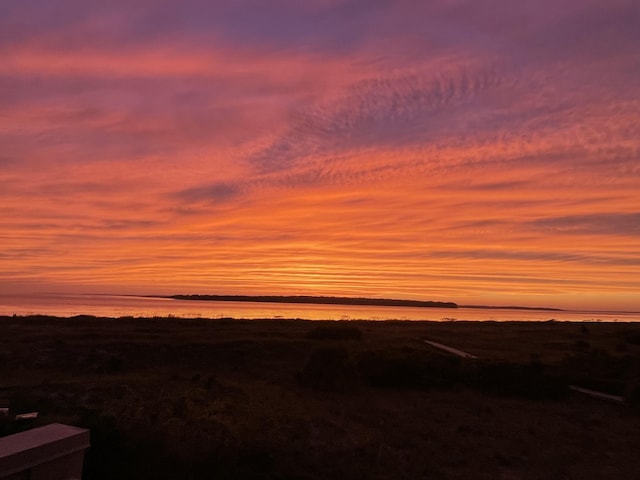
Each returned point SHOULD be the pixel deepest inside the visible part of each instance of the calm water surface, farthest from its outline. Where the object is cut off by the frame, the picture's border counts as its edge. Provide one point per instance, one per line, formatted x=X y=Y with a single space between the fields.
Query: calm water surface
x=123 y=306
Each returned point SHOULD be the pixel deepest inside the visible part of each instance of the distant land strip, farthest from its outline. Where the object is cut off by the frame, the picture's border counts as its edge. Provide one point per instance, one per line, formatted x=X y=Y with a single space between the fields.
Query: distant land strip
x=549 y=309
x=380 y=302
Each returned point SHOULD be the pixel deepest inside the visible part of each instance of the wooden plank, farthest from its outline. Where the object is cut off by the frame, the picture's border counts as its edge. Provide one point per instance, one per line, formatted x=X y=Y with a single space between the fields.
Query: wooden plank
x=596 y=394
x=451 y=350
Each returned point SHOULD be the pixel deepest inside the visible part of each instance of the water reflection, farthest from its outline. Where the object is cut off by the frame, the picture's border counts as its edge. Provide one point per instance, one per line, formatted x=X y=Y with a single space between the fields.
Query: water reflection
x=127 y=306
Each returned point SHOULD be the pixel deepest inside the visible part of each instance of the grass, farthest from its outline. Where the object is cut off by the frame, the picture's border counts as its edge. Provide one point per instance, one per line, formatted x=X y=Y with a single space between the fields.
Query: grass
x=179 y=398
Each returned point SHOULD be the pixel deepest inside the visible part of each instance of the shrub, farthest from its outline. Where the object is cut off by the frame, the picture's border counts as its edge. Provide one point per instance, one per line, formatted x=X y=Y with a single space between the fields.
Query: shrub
x=581 y=346
x=599 y=370
x=632 y=387
x=329 y=369
x=632 y=393
x=633 y=337
x=409 y=370
x=114 y=364
x=337 y=331
x=109 y=455
x=520 y=379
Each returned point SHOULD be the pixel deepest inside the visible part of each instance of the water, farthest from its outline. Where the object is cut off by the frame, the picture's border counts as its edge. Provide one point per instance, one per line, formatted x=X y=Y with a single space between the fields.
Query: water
x=63 y=305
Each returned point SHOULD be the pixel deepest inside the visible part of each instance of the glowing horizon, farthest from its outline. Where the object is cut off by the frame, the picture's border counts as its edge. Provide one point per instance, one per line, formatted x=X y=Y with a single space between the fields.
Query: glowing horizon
x=444 y=150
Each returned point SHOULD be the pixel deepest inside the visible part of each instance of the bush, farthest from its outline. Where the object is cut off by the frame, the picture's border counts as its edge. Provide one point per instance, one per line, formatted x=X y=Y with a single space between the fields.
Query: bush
x=632 y=393
x=632 y=387
x=110 y=455
x=581 y=346
x=329 y=369
x=409 y=370
x=633 y=337
x=337 y=331
x=598 y=366
x=518 y=379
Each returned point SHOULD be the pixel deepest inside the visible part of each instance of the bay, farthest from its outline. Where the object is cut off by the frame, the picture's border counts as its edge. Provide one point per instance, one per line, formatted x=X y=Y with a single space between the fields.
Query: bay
x=67 y=305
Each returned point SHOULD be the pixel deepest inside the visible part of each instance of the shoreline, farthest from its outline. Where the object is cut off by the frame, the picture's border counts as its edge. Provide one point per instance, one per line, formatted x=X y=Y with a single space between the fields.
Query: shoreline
x=342 y=318
x=83 y=316
x=157 y=306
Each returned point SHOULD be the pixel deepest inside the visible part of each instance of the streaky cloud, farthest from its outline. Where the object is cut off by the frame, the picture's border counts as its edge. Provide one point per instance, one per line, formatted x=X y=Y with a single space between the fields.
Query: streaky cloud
x=611 y=223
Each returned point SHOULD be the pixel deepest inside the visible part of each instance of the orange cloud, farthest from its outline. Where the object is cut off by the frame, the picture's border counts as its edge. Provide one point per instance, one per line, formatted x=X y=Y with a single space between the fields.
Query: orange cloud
x=476 y=163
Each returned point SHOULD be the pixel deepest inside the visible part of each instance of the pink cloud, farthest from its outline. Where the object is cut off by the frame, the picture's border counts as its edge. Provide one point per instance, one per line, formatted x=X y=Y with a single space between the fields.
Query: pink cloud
x=447 y=150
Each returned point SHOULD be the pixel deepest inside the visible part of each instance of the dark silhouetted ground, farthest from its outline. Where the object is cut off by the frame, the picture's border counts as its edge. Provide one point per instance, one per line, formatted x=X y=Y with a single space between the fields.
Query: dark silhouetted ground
x=287 y=399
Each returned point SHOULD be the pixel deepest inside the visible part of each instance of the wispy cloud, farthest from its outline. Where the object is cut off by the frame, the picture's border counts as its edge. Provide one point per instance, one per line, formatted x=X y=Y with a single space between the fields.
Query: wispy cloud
x=472 y=150
x=612 y=223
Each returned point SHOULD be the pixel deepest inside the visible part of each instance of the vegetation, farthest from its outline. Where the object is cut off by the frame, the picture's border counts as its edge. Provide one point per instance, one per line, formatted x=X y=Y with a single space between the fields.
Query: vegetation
x=335 y=331
x=284 y=399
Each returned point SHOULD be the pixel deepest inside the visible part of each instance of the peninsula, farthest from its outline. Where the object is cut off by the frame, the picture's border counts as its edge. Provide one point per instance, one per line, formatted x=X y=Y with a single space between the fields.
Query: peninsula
x=380 y=302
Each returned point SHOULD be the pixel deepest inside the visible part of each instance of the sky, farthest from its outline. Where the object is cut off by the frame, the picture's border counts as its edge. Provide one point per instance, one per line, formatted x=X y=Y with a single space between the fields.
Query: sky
x=475 y=151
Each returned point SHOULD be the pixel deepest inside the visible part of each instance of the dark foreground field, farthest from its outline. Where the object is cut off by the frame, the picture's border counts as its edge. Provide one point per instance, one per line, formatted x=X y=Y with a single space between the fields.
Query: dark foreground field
x=173 y=398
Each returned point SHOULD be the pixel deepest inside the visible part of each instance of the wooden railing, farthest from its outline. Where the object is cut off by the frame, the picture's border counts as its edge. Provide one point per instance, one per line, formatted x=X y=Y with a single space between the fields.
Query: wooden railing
x=52 y=452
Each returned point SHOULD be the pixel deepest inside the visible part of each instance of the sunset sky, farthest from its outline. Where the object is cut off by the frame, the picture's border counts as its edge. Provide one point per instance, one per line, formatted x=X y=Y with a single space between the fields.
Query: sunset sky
x=475 y=151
